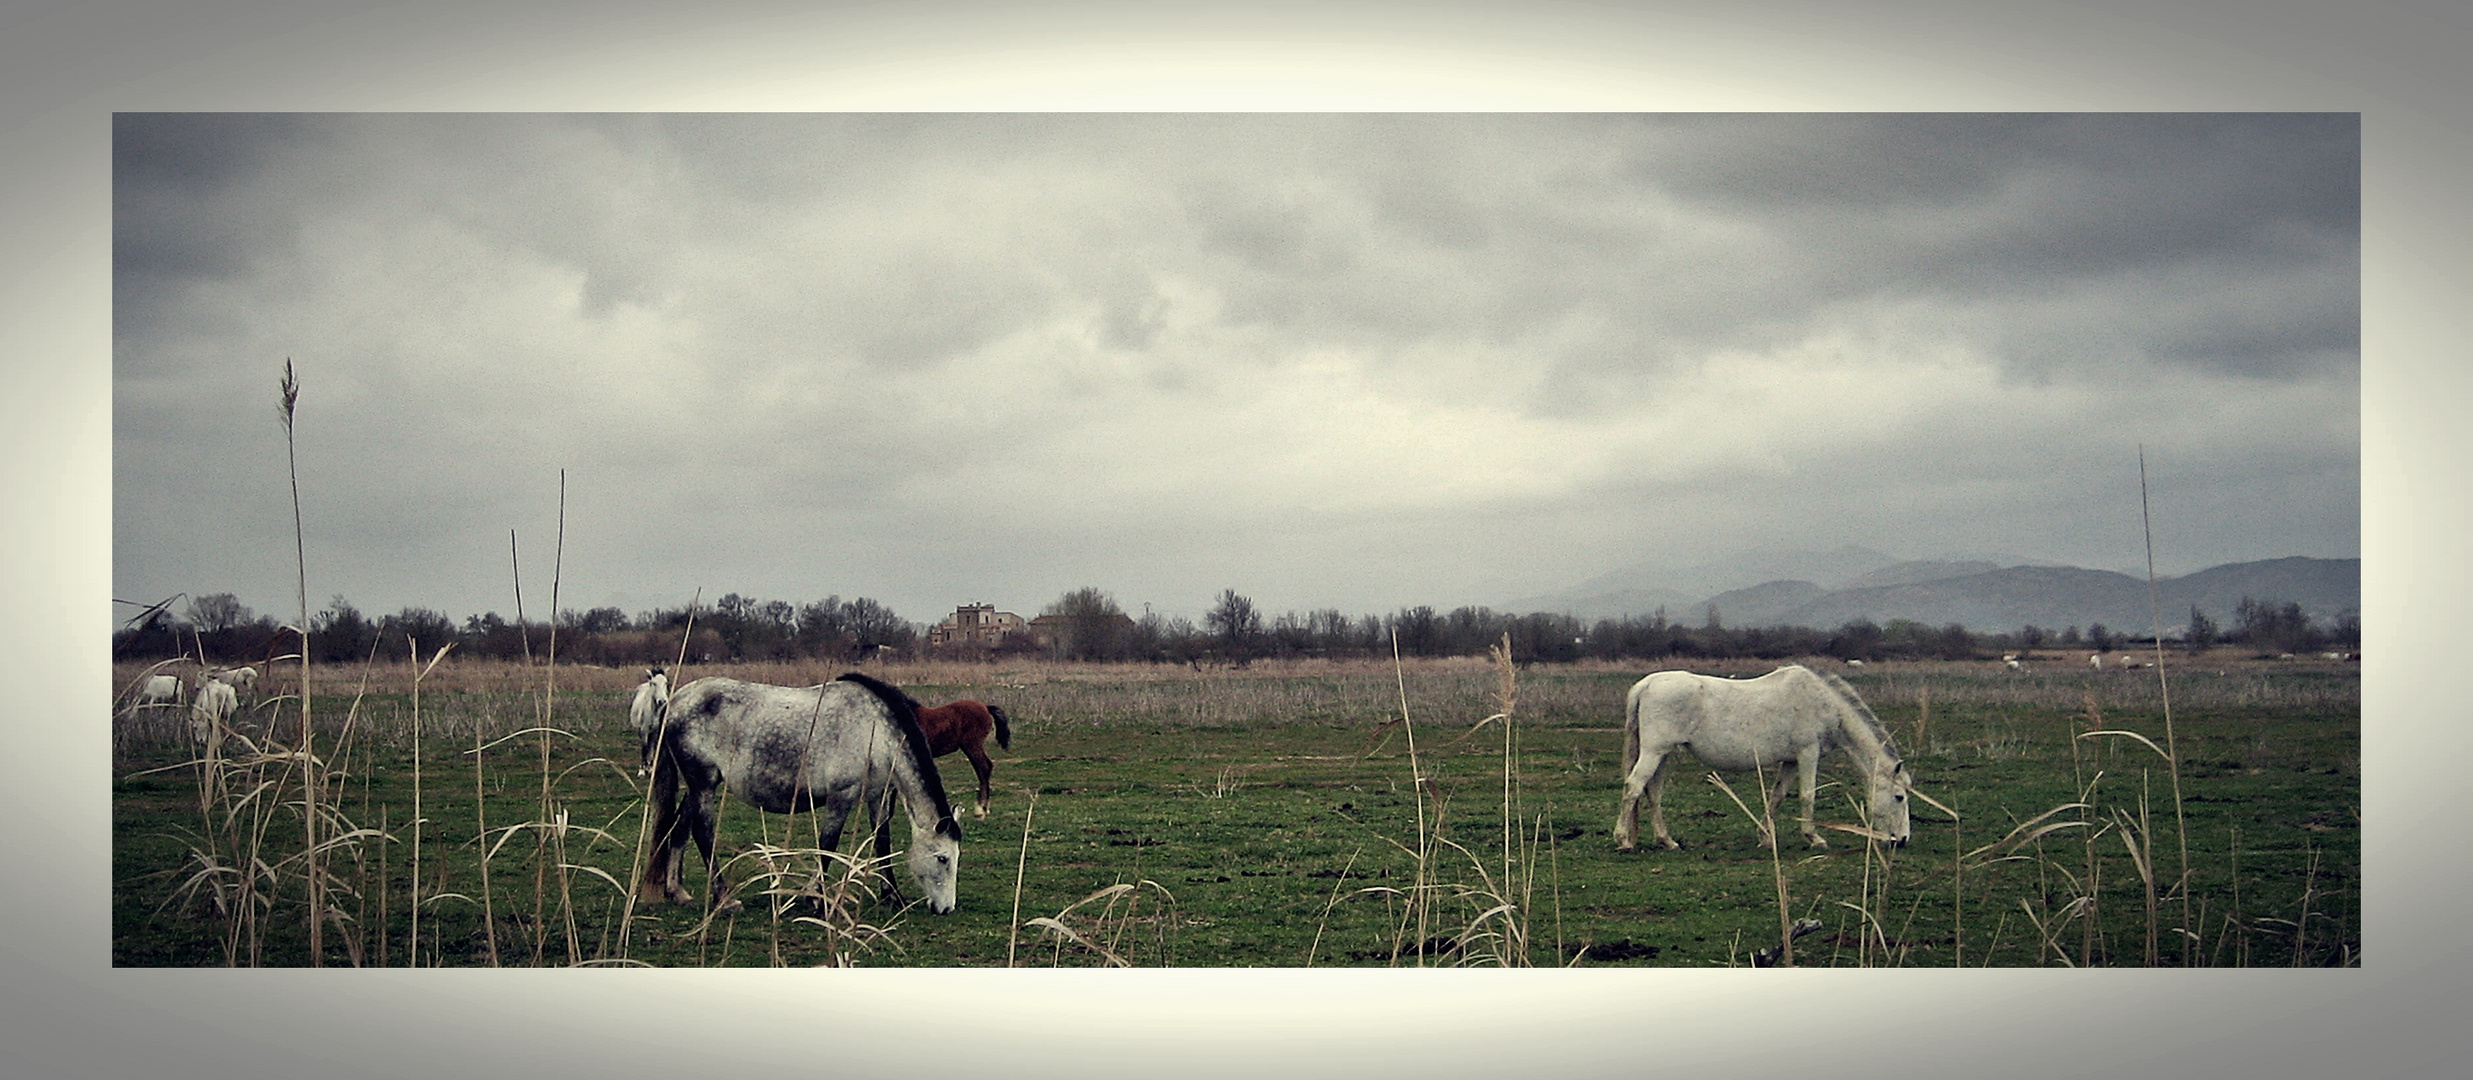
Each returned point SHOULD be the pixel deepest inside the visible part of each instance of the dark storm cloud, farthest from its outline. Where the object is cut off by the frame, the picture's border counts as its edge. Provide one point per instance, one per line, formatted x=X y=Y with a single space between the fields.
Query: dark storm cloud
x=2179 y=218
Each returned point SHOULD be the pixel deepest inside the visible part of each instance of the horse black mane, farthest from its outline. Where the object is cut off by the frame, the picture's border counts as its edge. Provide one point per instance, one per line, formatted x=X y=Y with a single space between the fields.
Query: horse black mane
x=905 y=710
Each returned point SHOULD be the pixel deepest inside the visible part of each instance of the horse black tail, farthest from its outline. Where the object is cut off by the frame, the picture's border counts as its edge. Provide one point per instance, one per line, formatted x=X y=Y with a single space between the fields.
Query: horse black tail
x=1004 y=731
x=905 y=710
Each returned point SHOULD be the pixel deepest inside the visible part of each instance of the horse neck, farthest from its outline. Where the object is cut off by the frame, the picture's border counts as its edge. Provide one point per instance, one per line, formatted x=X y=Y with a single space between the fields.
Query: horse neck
x=911 y=788
x=1862 y=733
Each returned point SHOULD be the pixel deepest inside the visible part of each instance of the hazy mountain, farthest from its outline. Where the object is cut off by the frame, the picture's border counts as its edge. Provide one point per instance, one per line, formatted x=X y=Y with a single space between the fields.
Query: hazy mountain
x=1977 y=593
x=1766 y=604
x=2052 y=597
x=2056 y=597
x=1908 y=573
x=1643 y=588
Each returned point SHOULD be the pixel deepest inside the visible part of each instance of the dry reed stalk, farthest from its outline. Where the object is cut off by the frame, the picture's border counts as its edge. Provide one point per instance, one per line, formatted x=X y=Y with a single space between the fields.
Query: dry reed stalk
x=412 y=942
x=1020 y=864
x=2243 y=957
x=1957 y=892
x=1505 y=698
x=1767 y=823
x=343 y=831
x=549 y=709
x=383 y=891
x=2086 y=797
x=2301 y=926
x=480 y=824
x=1417 y=793
x=1334 y=900
x=2172 y=755
x=291 y=390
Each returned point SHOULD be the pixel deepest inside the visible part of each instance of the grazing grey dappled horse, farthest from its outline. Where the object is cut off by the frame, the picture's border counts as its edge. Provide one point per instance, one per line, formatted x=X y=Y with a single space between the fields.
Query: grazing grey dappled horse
x=1791 y=714
x=823 y=748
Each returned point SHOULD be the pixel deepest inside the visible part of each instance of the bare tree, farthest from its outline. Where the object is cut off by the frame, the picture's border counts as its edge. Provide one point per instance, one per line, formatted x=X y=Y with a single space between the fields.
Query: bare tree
x=1235 y=623
x=217 y=613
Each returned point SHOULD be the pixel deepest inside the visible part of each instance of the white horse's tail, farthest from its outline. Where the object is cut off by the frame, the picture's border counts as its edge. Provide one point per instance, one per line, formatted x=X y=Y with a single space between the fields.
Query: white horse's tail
x=1631 y=731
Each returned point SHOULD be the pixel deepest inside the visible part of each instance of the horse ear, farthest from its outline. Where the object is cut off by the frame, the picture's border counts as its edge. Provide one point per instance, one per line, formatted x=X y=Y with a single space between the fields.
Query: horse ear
x=950 y=827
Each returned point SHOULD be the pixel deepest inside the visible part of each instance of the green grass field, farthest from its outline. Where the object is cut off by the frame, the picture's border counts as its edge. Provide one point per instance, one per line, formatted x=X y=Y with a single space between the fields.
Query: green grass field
x=1267 y=817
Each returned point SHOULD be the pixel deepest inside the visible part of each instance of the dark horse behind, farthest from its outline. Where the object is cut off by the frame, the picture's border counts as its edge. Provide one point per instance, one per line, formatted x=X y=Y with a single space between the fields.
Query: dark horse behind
x=963 y=725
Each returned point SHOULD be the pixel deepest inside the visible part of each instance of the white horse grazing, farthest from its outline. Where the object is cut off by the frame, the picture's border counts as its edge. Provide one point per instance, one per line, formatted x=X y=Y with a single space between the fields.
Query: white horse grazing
x=215 y=704
x=157 y=690
x=1791 y=714
x=239 y=678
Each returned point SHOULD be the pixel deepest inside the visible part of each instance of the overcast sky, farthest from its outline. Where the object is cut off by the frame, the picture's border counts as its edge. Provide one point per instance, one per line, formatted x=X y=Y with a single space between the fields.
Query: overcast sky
x=1327 y=361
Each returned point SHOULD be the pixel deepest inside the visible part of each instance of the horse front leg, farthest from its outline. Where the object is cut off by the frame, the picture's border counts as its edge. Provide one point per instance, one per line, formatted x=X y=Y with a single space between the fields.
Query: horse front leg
x=1776 y=793
x=1808 y=767
x=703 y=822
x=889 y=888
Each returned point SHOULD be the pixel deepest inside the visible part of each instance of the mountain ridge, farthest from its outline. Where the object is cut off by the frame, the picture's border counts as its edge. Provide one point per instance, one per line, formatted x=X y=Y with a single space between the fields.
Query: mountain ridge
x=1981 y=596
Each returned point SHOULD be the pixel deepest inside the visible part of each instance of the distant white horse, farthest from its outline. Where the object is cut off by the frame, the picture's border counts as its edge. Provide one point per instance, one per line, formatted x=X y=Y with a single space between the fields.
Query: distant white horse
x=215 y=704
x=157 y=690
x=1791 y=714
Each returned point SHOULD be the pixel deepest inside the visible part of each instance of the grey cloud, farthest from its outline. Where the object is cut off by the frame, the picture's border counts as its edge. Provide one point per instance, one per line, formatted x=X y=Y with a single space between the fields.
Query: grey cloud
x=938 y=351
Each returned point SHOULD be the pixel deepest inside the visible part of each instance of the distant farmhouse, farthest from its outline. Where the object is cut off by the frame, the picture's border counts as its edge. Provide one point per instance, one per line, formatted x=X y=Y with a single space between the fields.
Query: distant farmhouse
x=978 y=624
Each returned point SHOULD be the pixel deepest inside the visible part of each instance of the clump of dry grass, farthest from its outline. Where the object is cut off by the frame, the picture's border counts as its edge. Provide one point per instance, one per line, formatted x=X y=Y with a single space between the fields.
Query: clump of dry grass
x=1118 y=929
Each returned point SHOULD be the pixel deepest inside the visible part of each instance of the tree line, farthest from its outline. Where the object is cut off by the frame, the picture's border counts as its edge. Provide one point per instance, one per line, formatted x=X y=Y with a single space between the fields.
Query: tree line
x=1088 y=624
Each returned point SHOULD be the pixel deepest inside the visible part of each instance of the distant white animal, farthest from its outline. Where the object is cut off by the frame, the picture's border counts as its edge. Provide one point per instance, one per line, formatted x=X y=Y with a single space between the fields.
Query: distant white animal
x=2097 y=660
x=1854 y=663
x=239 y=678
x=215 y=704
x=652 y=701
x=2009 y=656
x=158 y=690
x=1791 y=714
x=2013 y=663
